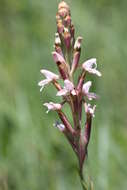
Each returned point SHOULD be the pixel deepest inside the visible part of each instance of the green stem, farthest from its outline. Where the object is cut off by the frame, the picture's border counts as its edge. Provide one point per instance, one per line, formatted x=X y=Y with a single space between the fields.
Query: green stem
x=82 y=180
x=84 y=185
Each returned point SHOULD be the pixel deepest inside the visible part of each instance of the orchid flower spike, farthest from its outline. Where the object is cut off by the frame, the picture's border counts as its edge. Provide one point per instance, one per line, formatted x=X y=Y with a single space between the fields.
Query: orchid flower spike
x=49 y=78
x=89 y=110
x=85 y=91
x=91 y=67
x=66 y=55
x=68 y=88
x=52 y=106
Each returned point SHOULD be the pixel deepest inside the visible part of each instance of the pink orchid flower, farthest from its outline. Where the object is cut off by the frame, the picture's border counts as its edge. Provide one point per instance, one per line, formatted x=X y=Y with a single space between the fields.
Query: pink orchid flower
x=91 y=67
x=52 y=106
x=49 y=78
x=67 y=89
x=85 y=91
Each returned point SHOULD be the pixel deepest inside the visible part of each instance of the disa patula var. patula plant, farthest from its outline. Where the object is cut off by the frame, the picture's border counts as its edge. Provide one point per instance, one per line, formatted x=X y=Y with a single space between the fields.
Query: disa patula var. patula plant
x=66 y=56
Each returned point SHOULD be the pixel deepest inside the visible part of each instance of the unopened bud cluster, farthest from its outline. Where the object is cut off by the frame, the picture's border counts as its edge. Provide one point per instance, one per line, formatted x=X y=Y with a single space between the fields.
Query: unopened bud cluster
x=66 y=56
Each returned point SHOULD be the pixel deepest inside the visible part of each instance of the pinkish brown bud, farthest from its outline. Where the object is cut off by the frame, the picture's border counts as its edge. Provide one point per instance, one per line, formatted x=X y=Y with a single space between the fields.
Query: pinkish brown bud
x=67 y=38
x=75 y=62
x=58 y=50
x=72 y=31
x=67 y=21
x=60 y=27
x=63 y=9
x=62 y=66
x=77 y=45
x=63 y=4
x=58 y=58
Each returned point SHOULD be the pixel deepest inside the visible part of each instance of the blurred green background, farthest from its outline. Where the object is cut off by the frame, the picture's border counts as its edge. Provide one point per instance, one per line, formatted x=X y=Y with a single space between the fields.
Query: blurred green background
x=33 y=154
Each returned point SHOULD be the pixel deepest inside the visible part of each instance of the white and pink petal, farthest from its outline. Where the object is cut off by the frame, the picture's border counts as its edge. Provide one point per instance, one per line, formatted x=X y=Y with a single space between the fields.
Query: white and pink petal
x=43 y=83
x=86 y=87
x=49 y=74
x=52 y=106
x=91 y=67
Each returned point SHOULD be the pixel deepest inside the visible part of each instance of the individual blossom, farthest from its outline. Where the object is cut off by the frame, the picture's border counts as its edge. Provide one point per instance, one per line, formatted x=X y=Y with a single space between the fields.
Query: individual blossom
x=49 y=78
x=60 y=126
x=52 y=106
x=89 y=110
x=67 y=89
x=85 y=91
x=91 y=67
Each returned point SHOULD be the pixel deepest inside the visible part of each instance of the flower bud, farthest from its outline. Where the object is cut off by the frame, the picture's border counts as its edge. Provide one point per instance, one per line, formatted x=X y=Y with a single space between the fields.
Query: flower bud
x=62 y=66
x=67 y=38
x=75 y=62
x=77 y=45
x=72 y=31
x=60 y=27
x=57 y=39
x=63 y=9
x=67 y=21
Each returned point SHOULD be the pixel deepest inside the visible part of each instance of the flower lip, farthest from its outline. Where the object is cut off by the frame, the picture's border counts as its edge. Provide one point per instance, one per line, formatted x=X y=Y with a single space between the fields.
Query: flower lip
x=52 y=106
x=91 y=67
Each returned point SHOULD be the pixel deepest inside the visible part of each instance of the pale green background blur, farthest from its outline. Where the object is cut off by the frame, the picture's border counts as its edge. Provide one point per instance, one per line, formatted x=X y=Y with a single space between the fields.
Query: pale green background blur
x=33 y=154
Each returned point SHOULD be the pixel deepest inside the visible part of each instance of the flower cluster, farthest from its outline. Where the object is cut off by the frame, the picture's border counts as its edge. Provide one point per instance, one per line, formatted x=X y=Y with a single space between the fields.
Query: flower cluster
x=66 y=56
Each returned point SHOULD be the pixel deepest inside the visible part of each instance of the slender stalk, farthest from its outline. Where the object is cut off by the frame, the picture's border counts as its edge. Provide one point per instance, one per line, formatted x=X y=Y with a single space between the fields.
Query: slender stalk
x=82 y=180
